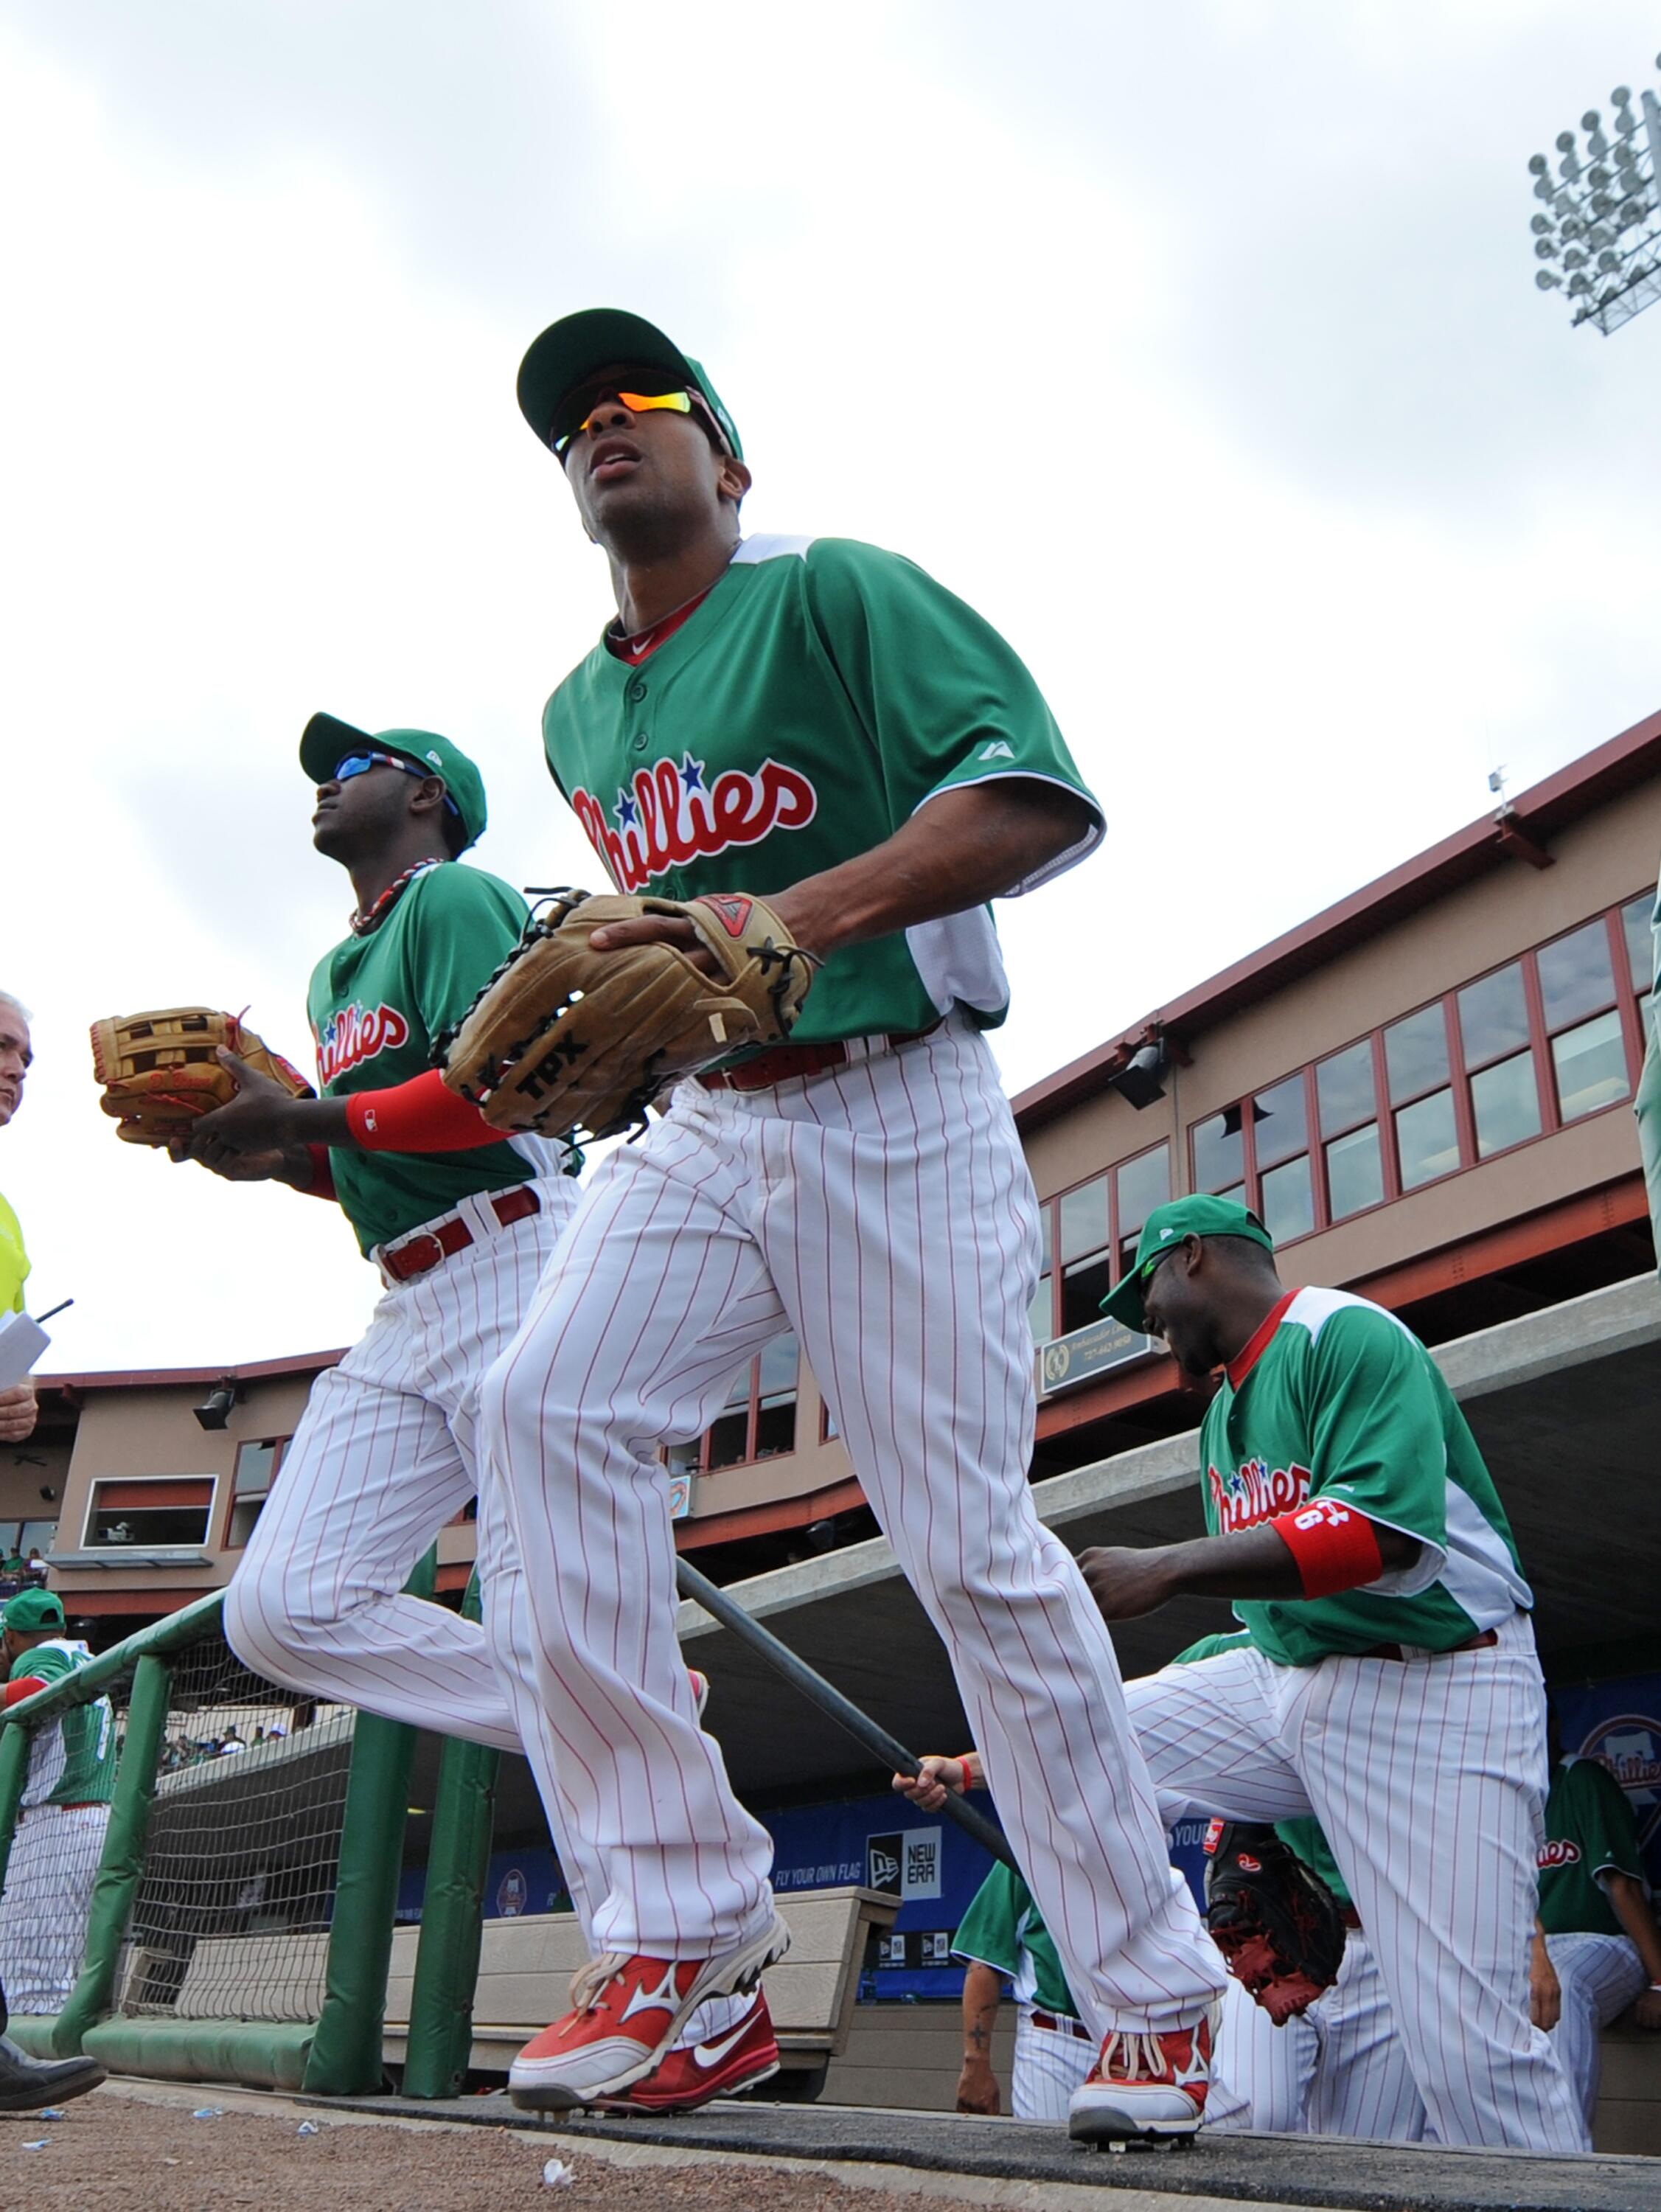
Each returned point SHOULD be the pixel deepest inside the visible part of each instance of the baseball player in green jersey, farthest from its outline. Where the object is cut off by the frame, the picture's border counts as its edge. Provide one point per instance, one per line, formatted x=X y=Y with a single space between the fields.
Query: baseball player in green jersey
x=1389 y=1688
x=460 y=1229
x=819 y=723
x=64 y=1810
x=1002 y=1938
x=1595 y=1920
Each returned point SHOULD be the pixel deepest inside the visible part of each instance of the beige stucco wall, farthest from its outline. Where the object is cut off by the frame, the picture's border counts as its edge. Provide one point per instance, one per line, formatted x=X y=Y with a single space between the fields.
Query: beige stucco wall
x=133 y=1432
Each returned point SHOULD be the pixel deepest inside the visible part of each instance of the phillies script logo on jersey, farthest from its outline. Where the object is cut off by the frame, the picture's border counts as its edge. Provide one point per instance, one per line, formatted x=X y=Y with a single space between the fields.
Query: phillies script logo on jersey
x=356 y=1034
x=669 y=815
x=1560 y=1853
x=1256 y=1493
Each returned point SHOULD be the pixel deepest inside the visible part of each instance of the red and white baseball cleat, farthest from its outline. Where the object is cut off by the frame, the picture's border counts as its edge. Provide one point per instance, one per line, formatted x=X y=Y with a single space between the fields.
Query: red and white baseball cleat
x=625 y=2017
x=721 y=2066
x=1144 y=2085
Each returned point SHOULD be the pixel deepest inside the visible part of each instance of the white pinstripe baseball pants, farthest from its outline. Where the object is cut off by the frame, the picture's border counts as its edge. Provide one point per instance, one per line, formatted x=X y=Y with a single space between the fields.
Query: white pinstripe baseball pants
x=385 y=1454
x=1600 y=1976
x=883 y=1210
x=1337 y=2069
x=55 y=1851
x=1430 y=1778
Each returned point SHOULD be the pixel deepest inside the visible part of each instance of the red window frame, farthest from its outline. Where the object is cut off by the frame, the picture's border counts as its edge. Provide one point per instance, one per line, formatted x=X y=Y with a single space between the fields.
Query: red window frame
x=1629 y=995
x=752 y=1455
x=1050 y=1208
x=279 y=1448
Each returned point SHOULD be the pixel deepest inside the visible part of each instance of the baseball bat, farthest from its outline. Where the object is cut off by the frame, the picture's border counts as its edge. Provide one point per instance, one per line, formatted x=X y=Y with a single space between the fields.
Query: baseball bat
x=859 y=1725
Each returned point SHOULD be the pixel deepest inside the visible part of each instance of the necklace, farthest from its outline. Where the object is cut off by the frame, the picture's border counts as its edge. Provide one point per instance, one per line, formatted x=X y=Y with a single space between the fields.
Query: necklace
x=371 y=917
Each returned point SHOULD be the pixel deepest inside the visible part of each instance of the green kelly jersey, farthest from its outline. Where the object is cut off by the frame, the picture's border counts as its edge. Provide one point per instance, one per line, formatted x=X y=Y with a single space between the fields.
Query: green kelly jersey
x=1340 y=1399
x=72 y=1759
x=1590 y=1831
x=377 y=1003
x=821 y=693
x=1306 y=1837
x=1003 y=1928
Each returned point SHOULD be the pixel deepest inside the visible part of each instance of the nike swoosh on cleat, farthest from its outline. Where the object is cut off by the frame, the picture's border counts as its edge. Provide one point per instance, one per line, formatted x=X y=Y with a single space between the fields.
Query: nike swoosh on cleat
x=712 y=2054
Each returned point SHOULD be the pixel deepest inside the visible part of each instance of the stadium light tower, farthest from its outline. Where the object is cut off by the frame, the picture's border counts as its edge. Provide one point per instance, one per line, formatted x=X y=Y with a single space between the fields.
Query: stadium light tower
x=1598 y=234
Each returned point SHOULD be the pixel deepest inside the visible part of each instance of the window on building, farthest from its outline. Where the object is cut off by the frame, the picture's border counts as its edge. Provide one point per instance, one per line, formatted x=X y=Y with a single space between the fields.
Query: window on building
x=759 y=1421
x=1553 y=1035
x=1043 y=1309
x=1638 y=926
x=1346 y=1087
x=1084 y=1229
x=1141 y=1185
x=1085 y=1248
x=250 y=1485
x=1280 y=1145
x=1419 y=1072
x=1220 y=1153
x=1498 y=1058
x=150 y=1511
x=1577 y=994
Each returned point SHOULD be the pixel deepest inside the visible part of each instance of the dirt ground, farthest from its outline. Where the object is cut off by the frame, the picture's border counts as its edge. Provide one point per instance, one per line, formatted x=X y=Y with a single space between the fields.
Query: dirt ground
x=116 y=2153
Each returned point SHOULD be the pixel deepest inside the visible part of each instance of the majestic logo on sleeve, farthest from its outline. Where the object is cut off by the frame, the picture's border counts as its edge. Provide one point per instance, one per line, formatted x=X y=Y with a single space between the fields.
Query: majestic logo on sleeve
x=670 y=815
x=356 y=1034
x=1256 y=1493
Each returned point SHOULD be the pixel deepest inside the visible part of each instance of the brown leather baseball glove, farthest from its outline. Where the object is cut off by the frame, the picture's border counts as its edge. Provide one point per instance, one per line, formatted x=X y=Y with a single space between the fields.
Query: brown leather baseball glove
x=161 y=1070
x=563 y=1038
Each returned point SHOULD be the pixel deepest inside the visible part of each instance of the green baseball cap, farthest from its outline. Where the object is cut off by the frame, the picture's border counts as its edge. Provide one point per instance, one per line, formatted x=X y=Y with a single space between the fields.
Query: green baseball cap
x=580 y=346
x=325 y=741
x=34 y=1608
x=1164 y=1229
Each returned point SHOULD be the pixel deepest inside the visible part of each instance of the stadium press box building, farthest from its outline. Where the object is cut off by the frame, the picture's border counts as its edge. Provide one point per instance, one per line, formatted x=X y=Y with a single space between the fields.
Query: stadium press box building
x=1427 y=1090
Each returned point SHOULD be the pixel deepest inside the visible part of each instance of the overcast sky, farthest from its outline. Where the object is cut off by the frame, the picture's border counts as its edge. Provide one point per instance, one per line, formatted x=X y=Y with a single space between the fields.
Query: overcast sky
x=1197 y=345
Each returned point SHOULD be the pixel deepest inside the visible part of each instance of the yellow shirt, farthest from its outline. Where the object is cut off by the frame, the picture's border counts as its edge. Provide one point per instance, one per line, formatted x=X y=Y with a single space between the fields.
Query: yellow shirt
x=14 y=1261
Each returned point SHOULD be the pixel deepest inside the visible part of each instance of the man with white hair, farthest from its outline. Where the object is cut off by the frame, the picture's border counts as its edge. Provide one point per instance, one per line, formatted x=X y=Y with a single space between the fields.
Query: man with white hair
x=17 y=1402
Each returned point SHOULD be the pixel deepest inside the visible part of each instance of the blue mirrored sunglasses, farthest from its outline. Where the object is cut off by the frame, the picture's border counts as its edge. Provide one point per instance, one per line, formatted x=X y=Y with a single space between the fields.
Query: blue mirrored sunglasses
x=360 y=763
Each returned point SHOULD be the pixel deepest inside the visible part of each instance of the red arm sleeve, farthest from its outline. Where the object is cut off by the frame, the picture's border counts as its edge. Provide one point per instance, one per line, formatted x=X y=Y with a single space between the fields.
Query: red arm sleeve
x=1336 y=1549
x=322 y=1184
x=421 y=1116
x=16 y=1692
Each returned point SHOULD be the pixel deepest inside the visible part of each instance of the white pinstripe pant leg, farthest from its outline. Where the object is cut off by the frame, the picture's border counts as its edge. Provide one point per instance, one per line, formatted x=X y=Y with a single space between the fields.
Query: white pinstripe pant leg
x=1429 y=1778
x=385 y=1454
x=1210 y=1734
x=1260 y=2074
x=901 y=1228
x=1047 y=2067
x=1601 y=1975
x=43 y=1914
x=656 y=1297
x=1362 y=2084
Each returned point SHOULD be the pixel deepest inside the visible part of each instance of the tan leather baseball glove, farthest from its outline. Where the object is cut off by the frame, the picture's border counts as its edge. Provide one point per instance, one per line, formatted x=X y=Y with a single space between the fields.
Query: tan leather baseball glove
x=563 y=1038
x=160 y=1070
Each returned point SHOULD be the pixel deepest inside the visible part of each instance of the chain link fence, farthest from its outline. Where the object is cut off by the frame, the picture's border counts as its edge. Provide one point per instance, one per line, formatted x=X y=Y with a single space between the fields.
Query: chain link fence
x=232 y=1913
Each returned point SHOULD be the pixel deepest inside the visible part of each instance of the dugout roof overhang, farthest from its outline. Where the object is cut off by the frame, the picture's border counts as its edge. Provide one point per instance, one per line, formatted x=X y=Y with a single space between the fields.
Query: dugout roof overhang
x=1563 y=1403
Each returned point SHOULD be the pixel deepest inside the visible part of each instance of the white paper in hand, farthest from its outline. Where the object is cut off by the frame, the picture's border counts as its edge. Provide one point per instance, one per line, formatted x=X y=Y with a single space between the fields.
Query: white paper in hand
x=22 y=1343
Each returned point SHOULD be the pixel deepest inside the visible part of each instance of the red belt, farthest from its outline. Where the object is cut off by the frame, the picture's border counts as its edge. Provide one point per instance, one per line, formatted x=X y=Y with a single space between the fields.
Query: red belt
x=786 y=1061
x=1076 y=2028
x=1351 y=1917
x=429 y=1247
x=1488 y=1636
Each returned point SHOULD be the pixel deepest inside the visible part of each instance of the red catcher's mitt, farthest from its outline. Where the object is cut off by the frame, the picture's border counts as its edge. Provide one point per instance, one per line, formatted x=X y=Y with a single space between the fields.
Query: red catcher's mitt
x=1278 y=1926
x=159 y=1071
